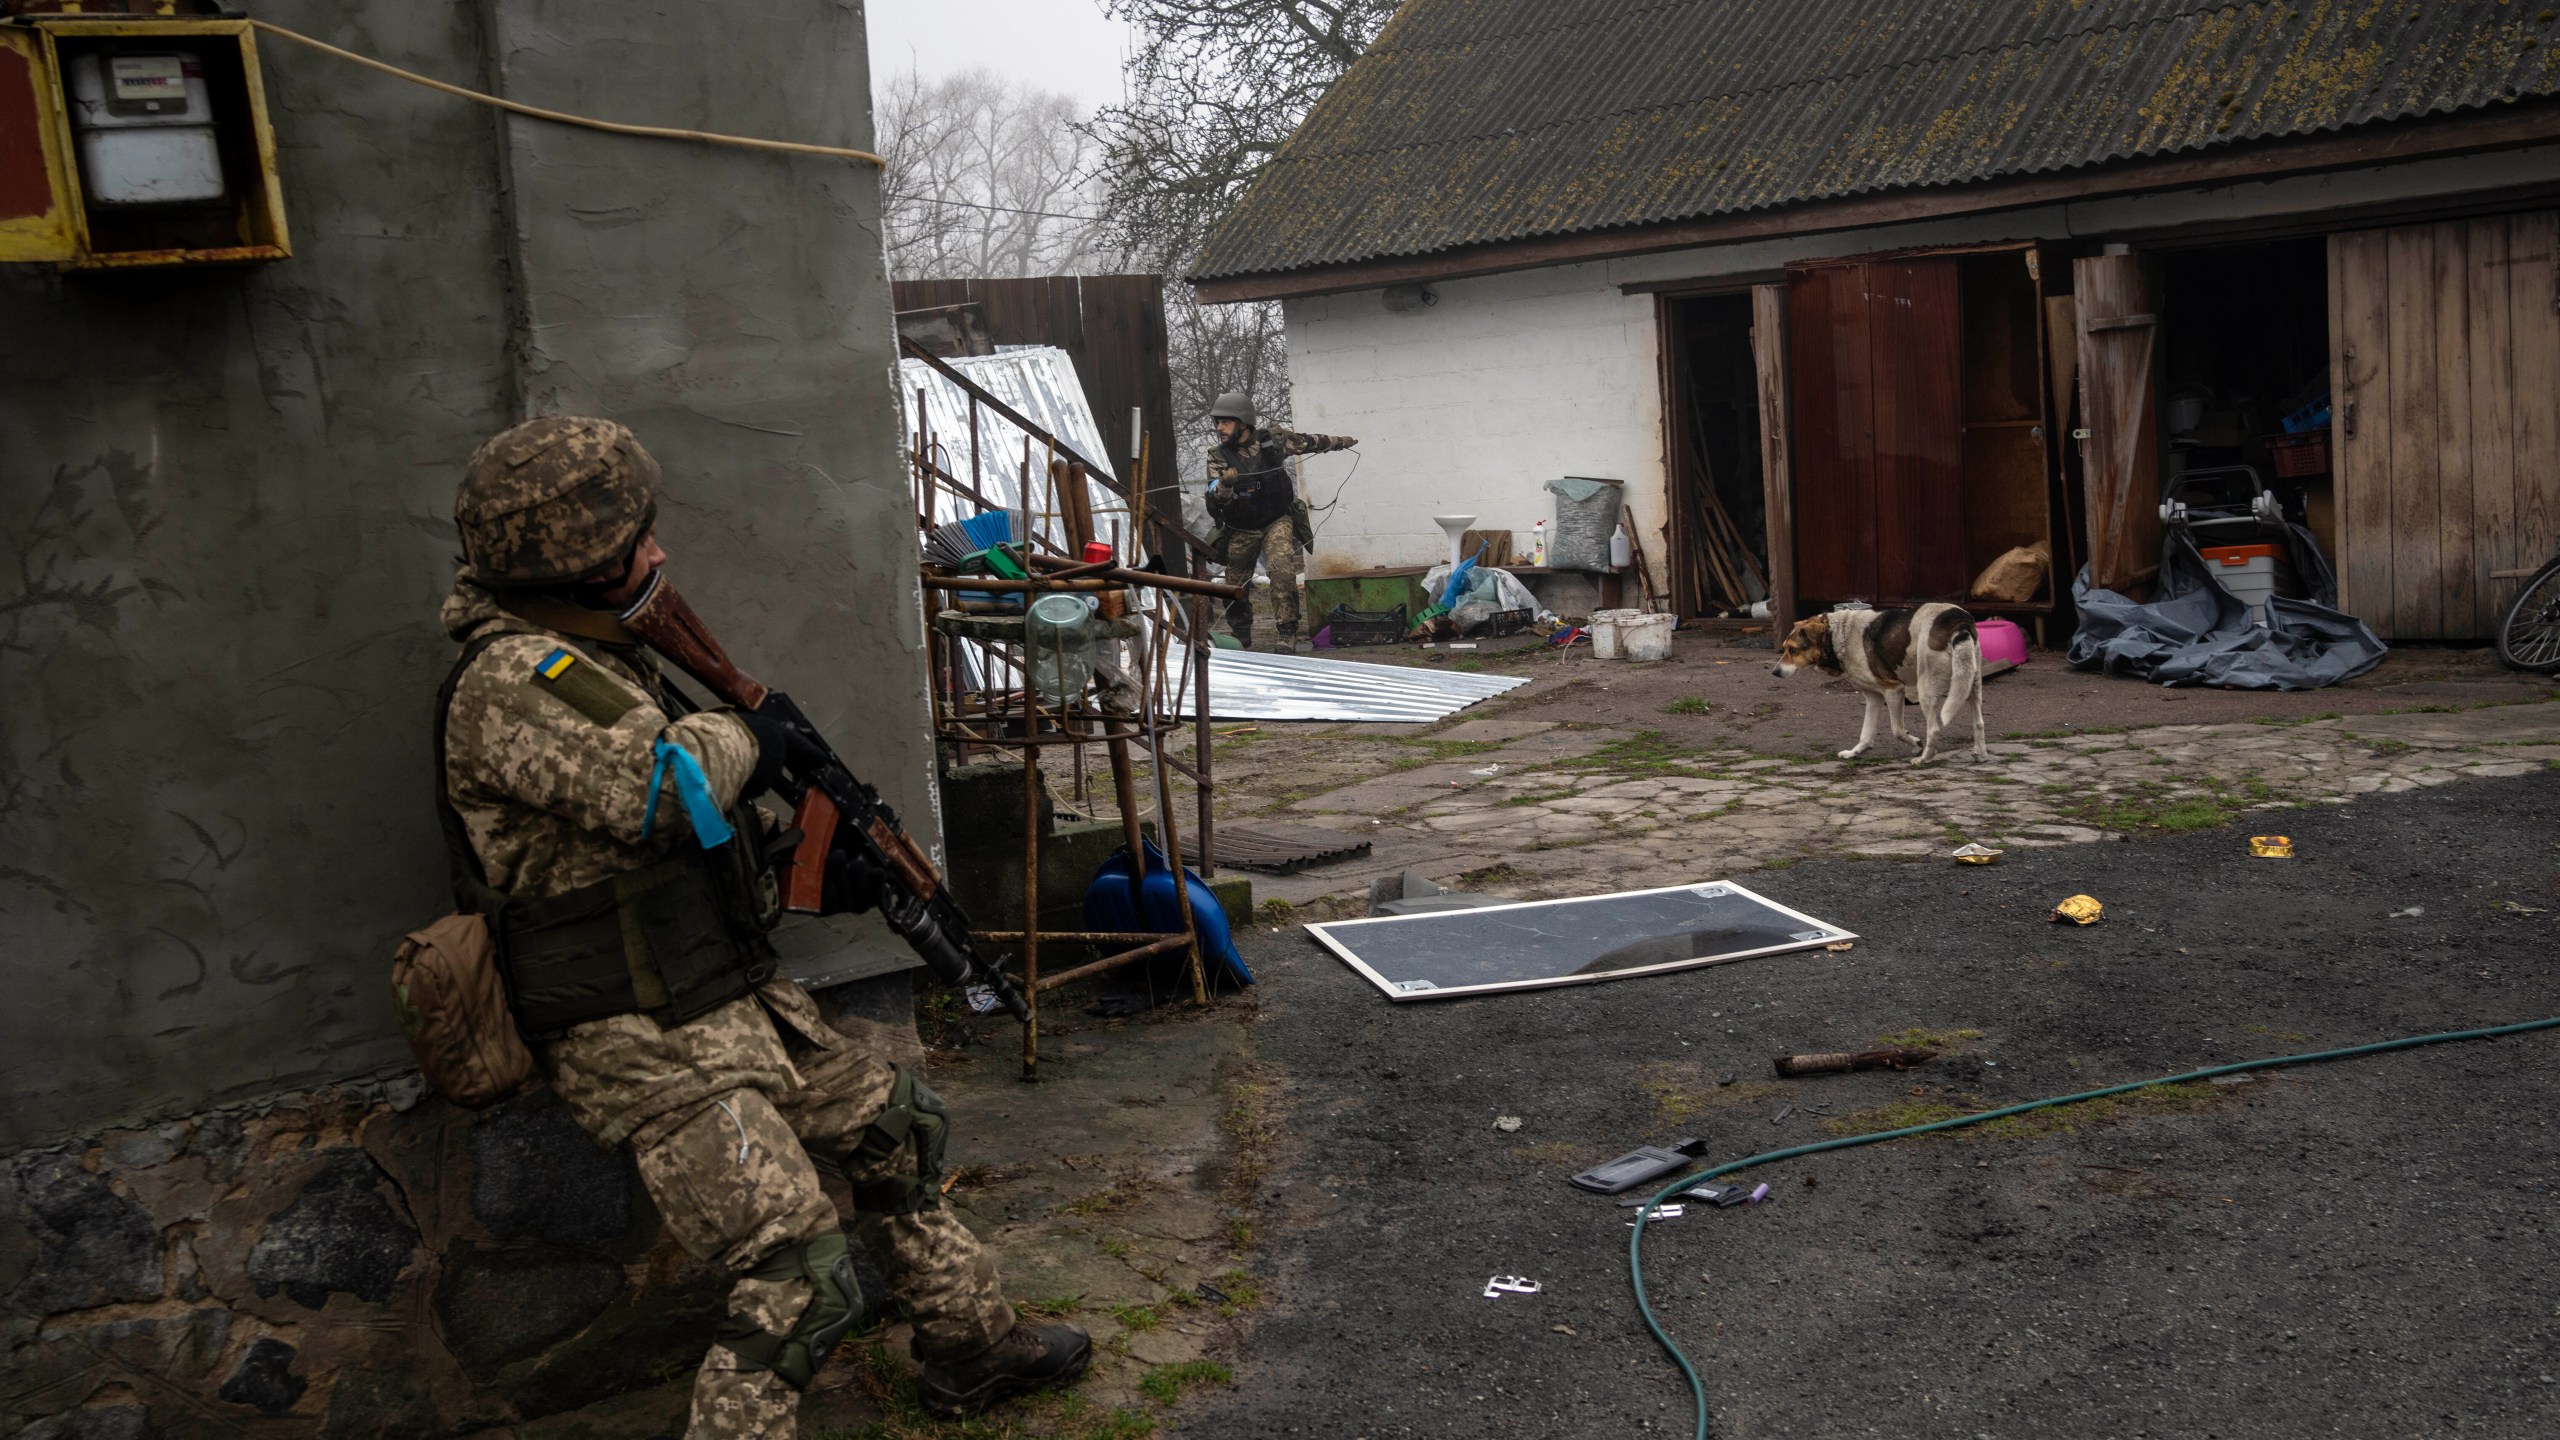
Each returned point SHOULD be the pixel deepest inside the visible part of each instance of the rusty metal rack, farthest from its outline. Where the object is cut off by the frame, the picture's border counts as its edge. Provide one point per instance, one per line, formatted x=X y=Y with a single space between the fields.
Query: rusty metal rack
x=984 y=697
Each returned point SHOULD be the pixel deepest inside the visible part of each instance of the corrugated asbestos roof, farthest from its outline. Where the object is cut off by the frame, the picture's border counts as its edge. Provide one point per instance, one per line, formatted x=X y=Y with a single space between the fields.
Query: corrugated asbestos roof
x=1476 y=121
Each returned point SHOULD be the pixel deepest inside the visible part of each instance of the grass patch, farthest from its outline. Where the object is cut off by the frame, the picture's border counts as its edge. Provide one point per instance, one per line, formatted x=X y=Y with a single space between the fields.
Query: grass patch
x=1165 y=1383
x=1052 y=1306
x=1453 y=749
x=1136 y=1317
x=2280 y=722
x=1253 y=1134
x=1243 y=1292
x=1689 y=705
x=2149 y=807
x=1502 y=874
x=1538 y=797
x=1645 y=751
x=2385 y=745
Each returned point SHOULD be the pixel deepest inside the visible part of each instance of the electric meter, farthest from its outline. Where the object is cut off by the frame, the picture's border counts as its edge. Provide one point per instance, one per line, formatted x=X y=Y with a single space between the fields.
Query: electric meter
x=143 y=121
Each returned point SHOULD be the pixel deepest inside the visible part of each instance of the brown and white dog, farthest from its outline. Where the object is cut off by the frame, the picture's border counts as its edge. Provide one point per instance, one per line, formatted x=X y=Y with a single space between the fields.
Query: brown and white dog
x=1931 y=654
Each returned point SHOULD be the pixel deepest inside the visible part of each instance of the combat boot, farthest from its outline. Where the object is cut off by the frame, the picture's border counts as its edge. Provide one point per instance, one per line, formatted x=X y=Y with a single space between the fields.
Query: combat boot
x=1288 y=642
x=1030 y=1357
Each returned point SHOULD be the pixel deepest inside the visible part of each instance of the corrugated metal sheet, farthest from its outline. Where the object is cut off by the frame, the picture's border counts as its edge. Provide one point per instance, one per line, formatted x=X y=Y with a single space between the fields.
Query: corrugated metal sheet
x=1477 y=121
x=1250 y=685
x=1037 y=380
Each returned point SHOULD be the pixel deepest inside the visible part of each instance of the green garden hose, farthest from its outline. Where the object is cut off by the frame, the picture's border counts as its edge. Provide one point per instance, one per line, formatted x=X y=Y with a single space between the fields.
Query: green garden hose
x=1635 y=1240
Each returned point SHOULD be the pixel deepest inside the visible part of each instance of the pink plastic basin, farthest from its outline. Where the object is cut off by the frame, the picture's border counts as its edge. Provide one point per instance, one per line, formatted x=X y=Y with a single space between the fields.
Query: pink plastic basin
x=2003 y=643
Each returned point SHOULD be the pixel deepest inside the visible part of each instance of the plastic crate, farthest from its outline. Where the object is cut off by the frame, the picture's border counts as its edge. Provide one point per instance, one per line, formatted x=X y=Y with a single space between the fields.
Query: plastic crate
x=1367 y=627
x=2297 y=456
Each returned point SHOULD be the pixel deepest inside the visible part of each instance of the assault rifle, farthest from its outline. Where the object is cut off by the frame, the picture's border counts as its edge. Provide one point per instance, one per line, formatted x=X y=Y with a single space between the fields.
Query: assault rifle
x=831 y=807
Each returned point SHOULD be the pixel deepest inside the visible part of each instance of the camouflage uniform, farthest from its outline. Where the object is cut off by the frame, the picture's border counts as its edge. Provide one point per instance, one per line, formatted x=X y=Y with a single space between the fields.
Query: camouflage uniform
x=1254 y=500
x=729 y=1115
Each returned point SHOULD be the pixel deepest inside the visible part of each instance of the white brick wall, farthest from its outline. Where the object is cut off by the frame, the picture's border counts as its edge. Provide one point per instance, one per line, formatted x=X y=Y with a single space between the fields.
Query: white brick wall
x=1471 y=405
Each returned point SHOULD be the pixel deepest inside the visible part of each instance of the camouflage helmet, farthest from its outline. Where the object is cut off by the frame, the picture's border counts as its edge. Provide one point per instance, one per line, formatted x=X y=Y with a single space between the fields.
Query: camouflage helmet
x=554 y=501
x=1234 y=405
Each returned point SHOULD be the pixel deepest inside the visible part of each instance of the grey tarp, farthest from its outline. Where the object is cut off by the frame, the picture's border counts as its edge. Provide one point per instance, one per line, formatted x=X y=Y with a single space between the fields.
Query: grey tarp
x=2195 y=632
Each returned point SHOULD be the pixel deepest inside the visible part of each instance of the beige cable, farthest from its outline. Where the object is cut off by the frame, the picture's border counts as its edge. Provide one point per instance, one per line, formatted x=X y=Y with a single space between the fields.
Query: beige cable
x=660 y=132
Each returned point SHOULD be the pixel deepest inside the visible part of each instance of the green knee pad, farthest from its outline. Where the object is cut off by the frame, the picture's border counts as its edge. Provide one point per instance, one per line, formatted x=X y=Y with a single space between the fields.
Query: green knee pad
x=835 y=1306
x=913 y=1110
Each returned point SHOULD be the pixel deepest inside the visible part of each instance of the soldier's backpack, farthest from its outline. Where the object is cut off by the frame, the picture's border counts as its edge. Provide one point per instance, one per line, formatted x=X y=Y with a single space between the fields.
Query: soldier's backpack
x=453 y=1007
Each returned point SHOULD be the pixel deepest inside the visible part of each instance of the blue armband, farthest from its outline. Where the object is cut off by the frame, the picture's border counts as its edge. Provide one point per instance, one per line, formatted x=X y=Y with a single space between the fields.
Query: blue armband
x=693 y=788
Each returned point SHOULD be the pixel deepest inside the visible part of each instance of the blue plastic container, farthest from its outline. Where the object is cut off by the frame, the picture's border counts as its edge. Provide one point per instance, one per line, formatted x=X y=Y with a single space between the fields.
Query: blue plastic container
x=1109 y=906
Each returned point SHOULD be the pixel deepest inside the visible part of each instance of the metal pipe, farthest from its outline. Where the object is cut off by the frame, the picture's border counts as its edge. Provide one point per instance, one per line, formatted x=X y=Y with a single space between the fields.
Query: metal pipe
x=1113 y=962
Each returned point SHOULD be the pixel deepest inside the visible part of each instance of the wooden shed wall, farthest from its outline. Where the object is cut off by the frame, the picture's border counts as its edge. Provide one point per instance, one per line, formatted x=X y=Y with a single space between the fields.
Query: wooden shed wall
x=2445 y=358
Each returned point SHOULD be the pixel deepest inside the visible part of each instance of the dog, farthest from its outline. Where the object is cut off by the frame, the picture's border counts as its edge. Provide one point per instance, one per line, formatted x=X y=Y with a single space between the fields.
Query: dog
x=1931 y=653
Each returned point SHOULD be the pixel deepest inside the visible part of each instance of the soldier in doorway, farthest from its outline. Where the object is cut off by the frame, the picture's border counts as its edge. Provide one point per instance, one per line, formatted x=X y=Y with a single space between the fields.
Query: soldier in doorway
x=587 y=802
x=1259 y=512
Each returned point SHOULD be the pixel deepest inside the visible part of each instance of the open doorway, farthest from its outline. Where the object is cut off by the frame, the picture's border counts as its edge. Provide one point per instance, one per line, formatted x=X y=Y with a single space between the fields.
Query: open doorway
x=2245 y=375
x=1717 y=503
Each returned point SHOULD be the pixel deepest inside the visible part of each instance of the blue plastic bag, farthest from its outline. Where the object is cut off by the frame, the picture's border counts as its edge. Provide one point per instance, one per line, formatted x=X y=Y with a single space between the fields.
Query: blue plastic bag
x=1109 y=906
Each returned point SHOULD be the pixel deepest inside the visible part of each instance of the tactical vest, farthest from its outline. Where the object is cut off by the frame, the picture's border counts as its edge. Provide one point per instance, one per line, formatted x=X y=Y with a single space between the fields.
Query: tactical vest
x=674 y=941
x=1261 y=491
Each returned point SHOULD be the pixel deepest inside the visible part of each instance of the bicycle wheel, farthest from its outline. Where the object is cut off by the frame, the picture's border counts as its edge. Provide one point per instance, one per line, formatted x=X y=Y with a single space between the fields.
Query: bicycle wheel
x=2529 y=639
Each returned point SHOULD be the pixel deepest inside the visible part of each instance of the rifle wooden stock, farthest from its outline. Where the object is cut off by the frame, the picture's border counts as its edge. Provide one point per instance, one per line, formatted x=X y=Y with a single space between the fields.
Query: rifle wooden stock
x=661 y=617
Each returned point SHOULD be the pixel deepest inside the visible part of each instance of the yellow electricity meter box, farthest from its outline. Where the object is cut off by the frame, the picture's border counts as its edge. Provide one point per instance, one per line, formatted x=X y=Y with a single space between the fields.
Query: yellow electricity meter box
x=132 y=139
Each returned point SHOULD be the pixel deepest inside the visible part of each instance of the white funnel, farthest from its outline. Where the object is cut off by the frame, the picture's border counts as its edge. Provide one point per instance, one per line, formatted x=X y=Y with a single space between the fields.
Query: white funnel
x=1456 y=525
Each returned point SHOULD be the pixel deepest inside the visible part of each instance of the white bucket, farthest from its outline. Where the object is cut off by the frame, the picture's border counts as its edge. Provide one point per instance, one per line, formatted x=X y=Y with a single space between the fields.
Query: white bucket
x=1605 y=628
x=1647 y=637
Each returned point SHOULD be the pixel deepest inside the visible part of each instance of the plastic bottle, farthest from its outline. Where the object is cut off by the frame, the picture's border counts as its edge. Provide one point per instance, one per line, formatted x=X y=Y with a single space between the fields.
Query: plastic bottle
x=1622 y=551
x=1538 y=544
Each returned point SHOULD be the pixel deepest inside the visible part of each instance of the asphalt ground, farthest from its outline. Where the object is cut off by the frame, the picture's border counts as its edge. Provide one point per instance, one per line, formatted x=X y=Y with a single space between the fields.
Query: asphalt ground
x=2361 y=1248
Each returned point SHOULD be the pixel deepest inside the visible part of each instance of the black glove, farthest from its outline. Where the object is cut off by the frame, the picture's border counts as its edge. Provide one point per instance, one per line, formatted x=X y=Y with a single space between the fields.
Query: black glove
x=779 y=746
x=854 y=882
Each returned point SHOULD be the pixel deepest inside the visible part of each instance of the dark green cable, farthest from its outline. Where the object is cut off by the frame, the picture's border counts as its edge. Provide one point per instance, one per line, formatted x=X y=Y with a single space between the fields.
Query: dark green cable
x=1635 y=1239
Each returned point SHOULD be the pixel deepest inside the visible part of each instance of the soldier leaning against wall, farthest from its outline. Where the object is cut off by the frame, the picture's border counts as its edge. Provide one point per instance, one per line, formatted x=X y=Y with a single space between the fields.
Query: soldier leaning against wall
x=578 y=775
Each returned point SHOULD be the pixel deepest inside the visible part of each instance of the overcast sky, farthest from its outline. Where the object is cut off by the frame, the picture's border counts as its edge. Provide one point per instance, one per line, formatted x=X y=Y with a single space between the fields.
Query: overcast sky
x=1063 y=45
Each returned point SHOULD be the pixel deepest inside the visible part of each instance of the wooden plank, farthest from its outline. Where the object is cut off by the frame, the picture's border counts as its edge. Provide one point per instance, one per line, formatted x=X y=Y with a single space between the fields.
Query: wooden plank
x=2417 y=612
x=2533 y=349
x=2360 y=383
x=1917 y=359
x=1830 y=393
x=2457 y=585
x=2062 y=358
x=2490 y=327
x=2120 y=408
x=1769 y=359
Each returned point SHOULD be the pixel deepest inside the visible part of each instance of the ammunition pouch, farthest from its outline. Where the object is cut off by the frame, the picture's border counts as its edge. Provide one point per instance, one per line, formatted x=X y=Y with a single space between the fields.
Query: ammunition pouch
x=666 y=942
x=835 y=1307
x=913 y=1111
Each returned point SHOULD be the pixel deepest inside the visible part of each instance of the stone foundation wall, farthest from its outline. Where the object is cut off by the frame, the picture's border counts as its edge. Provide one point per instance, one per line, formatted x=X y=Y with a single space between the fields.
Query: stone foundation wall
x=362 y=1261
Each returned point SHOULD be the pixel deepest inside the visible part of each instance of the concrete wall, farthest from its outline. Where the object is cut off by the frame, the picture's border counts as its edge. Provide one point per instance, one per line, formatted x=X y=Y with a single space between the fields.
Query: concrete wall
x=1469 y=405
x=227 y=499
x=226 y=504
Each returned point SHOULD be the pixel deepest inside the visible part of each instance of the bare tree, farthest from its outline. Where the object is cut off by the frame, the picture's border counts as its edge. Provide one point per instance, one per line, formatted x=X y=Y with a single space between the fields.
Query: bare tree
x=988 y=177
x=1213 y=89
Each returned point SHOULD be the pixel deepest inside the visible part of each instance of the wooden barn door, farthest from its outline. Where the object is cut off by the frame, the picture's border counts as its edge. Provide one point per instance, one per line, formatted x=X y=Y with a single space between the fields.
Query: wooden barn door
x=2119 y=324
x=2445 y=362
x=1876 y=355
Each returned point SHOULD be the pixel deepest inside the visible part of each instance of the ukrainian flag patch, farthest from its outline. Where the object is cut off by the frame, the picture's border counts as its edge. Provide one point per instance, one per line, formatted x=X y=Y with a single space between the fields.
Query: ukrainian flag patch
x=555 y=664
